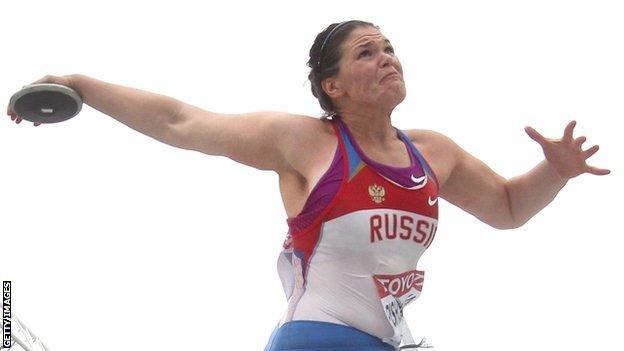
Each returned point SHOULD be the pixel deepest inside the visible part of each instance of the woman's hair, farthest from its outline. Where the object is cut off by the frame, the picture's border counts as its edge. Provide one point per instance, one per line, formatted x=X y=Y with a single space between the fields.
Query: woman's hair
x=324 y=58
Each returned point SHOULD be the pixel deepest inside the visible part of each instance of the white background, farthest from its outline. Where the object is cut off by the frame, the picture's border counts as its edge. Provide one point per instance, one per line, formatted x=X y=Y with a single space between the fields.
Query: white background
x=117 y=241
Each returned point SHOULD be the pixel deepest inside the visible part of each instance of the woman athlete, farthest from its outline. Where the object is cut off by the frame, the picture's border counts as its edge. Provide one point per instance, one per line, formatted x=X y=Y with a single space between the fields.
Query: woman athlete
x=360 y=195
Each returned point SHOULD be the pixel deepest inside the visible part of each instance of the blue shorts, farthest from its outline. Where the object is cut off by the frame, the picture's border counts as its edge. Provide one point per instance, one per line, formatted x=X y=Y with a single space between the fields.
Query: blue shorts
x=301 y=335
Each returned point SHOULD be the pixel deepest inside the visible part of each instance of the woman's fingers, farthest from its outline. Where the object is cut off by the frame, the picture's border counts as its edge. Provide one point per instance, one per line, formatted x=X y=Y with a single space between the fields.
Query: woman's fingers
x=18 y=120
x=47 y=79
x=15 y=118
x=597 y=171
x=578 y=142
x=569 y=129
x=589 y=152
x=10 y=112
x=535 y=135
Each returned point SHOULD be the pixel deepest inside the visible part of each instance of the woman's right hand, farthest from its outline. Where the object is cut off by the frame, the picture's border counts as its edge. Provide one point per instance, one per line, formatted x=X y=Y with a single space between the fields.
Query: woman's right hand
x=63 y=80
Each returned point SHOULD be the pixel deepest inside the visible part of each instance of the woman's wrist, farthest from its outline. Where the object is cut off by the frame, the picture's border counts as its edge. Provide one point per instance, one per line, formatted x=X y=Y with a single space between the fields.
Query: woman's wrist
x=72 y=80
x=555 y=175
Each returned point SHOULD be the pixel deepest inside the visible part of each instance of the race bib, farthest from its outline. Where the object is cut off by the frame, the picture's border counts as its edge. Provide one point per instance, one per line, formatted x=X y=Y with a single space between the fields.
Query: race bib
x=395 y=292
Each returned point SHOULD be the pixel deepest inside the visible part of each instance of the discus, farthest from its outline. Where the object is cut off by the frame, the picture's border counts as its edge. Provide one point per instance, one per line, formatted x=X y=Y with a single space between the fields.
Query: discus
x=46 y=103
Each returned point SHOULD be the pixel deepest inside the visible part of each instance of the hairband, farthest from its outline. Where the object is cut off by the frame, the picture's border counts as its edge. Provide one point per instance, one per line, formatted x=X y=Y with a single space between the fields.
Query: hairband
x=318 y=63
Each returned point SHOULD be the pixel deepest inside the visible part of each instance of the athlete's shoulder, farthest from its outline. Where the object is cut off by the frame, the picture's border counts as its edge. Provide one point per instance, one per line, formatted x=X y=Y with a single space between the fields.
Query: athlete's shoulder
x=428 y=137
x=306 y=124
x=435 y=146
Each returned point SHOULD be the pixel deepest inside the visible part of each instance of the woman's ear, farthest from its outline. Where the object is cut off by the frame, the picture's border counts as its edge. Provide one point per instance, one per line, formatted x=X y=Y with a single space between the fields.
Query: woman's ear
x=332 y=87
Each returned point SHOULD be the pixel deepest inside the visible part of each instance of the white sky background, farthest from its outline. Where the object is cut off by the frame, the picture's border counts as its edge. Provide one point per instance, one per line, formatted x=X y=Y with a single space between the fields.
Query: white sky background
x=113 y=238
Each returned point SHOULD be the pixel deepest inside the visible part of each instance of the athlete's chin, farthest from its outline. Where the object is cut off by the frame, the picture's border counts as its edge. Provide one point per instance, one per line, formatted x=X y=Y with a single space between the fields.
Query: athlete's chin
x=397 y=89
x=396 y=96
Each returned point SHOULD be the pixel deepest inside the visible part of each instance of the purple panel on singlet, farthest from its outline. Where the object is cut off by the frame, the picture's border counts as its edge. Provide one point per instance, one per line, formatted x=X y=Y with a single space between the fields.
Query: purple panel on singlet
x=327 y=187
x=321 y=195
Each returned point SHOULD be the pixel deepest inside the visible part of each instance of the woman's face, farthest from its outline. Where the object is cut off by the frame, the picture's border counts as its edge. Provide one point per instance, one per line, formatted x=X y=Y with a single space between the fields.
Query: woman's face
x=363 y=81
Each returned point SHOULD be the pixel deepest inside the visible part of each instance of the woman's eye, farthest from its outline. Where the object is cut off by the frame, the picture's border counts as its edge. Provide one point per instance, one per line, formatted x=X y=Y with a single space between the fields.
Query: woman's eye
x=367 y=52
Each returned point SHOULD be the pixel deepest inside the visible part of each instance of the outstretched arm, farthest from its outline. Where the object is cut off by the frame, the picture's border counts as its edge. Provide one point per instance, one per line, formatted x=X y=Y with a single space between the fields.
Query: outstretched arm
x=509 y=203
x=144 y=111
x=266 y=140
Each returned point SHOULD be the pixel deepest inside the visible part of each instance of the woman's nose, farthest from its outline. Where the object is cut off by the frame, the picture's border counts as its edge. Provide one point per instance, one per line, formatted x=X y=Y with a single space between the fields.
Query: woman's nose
x=386 y=59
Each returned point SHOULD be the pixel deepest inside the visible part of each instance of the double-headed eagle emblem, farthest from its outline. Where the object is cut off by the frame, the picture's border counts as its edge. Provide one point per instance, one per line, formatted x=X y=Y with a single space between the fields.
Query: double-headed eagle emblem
x=377 y=193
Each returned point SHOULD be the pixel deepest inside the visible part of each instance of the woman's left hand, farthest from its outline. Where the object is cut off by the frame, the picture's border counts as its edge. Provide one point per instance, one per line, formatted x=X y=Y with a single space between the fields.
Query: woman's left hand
x=565 y=154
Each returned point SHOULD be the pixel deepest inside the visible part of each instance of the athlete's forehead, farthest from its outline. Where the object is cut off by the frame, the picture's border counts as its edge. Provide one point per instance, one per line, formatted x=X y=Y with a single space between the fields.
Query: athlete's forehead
x=364 y=35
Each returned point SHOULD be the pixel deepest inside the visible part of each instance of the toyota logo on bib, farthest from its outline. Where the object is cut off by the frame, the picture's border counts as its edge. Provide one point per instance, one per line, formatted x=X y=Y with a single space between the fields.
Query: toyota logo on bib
x=400 y=284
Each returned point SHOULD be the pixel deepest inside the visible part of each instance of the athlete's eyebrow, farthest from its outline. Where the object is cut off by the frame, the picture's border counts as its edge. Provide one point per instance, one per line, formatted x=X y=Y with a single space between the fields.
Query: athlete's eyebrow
x=368 y=43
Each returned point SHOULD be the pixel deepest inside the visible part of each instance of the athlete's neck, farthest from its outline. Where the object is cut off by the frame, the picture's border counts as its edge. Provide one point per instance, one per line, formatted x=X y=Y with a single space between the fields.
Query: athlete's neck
x=370 y=129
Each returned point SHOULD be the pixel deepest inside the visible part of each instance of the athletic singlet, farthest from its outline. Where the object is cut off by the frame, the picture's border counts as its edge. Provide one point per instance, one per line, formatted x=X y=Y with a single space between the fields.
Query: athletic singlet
x=350 y=256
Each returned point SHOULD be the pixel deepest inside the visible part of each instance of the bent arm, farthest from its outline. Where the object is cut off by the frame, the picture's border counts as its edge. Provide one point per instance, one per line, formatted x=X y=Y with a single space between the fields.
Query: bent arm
x=529 y=193
x=499 y=202
x=146 y=112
